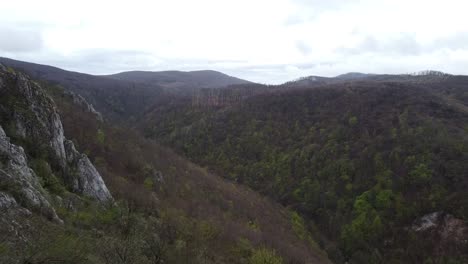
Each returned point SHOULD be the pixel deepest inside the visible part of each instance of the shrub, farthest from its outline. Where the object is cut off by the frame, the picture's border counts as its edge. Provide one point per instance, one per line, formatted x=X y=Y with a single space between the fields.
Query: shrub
x=265 y=256
x=48 y=179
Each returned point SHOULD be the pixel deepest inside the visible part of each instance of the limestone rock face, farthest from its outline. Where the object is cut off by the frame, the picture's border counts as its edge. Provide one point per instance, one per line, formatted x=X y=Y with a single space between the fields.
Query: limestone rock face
x=80 y=101
x=20 y=180
x=31 y=116
x=7 y=201
x=85 y=179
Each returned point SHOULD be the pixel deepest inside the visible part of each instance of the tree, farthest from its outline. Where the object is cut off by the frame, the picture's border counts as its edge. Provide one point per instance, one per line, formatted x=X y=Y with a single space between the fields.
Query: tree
x=420 y=174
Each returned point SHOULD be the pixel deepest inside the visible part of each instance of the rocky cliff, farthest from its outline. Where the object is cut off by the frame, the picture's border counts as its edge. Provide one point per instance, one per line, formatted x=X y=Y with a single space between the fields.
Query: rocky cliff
x=30 y=128
x=19 y=184
x=83 y=104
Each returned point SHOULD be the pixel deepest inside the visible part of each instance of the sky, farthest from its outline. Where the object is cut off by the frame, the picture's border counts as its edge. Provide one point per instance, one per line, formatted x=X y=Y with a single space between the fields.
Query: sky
x=266 y=41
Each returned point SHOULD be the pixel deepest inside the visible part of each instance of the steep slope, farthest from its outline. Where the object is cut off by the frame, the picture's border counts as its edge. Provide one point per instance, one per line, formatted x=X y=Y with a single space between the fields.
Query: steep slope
x=375 y=165
x=116 y=99
x=179 y=79
x=218 y=221
x=20 y=183
x=163 y=208
x=361 y=160
x=31 y=118
x=41 y=173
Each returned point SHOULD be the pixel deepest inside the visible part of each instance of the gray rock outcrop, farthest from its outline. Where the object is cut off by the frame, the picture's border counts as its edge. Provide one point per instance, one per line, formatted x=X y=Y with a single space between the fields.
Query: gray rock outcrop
x=447 y=228
x=85 y=179
x=80 y=101
x=31 y=115
x=20 y=180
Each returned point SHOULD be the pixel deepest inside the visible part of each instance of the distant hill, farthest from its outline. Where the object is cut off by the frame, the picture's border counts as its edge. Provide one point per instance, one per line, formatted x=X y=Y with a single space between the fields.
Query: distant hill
x=114 y=98
x=180 y=79
x=353 y=76
x=128 y=94
x=423 y=76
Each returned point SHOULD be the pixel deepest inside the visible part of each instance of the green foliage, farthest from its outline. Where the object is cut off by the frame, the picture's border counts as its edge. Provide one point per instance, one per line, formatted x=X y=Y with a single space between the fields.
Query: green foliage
x=148 y=183
x=265 y=256
x=352 y=121
x=100 y=136
x=383 y=199
x=48 y=179
x=242 y=250
x=10 y=70
x=362 y=178
x=59 y=245
x=299 y=226
x=359 y=180
x=420 y=174
x=252 y=224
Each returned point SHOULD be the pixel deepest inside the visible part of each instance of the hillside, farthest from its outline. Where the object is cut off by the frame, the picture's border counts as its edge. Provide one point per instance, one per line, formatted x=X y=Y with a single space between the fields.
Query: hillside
x=369 y=168
x=149 y=206
x=126 y=95
x=361 y=160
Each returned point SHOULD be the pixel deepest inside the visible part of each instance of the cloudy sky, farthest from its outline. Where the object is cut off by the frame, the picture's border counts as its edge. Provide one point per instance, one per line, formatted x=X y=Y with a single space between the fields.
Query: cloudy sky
x=268 y=41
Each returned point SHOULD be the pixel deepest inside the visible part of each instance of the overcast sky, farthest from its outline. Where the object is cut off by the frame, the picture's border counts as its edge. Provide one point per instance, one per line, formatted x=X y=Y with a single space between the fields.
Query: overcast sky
x=268 y=41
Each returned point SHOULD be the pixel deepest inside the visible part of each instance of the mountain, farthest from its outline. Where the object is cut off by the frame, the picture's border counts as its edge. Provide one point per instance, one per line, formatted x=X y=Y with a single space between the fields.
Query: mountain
x=127 y=200
x=114 y=98
x=125 y=95
x=179 y=79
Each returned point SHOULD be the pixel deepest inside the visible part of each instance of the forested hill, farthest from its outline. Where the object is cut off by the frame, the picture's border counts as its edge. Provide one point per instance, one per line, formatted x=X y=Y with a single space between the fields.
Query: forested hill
x=77 y=189
x=179 y=79
x=373 y=168
x=126 y=96
x=362 y=160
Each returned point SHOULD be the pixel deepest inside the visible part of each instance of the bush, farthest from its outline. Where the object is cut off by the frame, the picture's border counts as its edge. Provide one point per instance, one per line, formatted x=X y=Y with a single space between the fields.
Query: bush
x=48 y=179
x=265 y=256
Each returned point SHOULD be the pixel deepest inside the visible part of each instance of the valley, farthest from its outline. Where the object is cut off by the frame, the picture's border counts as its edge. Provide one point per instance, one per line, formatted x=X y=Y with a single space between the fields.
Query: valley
x=202 y=167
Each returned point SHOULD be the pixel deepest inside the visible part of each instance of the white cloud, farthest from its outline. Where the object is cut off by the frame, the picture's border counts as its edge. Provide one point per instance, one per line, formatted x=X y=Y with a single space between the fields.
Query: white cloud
x=261 y=40
x=20 y=40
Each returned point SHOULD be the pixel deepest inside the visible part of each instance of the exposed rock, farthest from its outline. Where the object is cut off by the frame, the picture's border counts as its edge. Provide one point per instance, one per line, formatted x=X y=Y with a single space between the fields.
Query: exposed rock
x=7 y=201
x=427 y=222
x=17 y=178
x=35 y=119
x=80 y=101
x=33 y=114
x=85 y=179
x=447 y=228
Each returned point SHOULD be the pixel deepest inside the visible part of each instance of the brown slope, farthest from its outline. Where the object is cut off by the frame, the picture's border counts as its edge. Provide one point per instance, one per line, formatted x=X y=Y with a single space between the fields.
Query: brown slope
x=187 y=191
